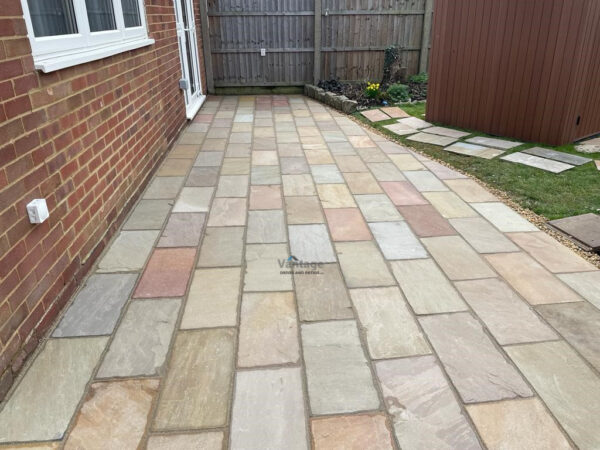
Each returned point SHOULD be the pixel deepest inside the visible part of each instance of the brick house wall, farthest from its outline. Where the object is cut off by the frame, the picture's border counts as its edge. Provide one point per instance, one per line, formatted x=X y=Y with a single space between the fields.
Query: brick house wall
x=86 y=139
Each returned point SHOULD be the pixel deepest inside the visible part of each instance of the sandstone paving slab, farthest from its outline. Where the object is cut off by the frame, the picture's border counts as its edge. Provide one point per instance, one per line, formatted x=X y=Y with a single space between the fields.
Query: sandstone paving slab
x=350 y=163
x=97 y=306
x=566 y=158
x=503 y=218
x=268 y=410
x=568 y=387
x=36 y=413
x=482 y=236
x=490 y=153
x=362 y=183
x=584 y=229
x=347 y=224
x=148 y=215
x=114 y=415
x=294 y=165
x=424 y=411
x=183 y=230
x=539 y=163
x=142 y=340
x=266 y=227
x=197 y=390
x=530 y=279
x=232 y=186
x=338 y=375
x=401 y=129
x=443 y=172
x=397 y=241
x=298 y=185
x=579 y=324
x=471 y=191
x=358 y=431
x=386 y=171
x=426 y=221
x=432 y=139
x=448 y=132
x=361 y=141
x=335 y=196
x=450 y=205
x=391 y=148
x=375 y=115
x=167 y=273
x=477 y=369
x=213 y=298
x=184 y=151
x=517 y=424
x=265 y=175
x=318 y=156
x=377 y=208
x=264 y=266
x=213 y=145
x=426 y=288
x=464 y=148
x=227 y=212
x=341 y=148
x=265 y=197
x=494 y=142
x=268 y=330
x=310 y=243
x=550 y=253
x=363 y=265
x=395 y=112
x=402 y=193
x=586 y=284
x=406 y=162
x=222 y=247
x=235 y=165
x=509 y=319
x=391 y=330
x=303 y=210
x=425 y=181
x=128 y=252
x=194 y=199
x=264 y=158
x=210 y=440
x=174 y=167
x=163 y=188
x=209 y=159
x=323 y=296
x=326 y=173
x=414 y=122
x=456 y=258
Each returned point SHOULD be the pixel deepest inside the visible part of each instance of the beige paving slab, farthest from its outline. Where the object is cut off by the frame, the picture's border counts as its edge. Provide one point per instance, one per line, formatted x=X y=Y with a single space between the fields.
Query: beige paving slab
x=517 y=424
x=268 y=329
x=395 y=112
x=266 y=227
x=401 y=129
x=358 y=431
x=303 y=210
x=174 y=167
x=449 y=205
x=406 y=162
x=129 y=251
x=530 y=279
x=265 y=197
x=264 y=266
x=414 y=122
x=363 y=265
x=335 y=196
x=235 y=166
x=194 y=199
x=232 y=186
x=509 y=319
x=391 y=330
x=482 y=236
x=503 y=218
x=432 y=139
x=362 y=183
x=377 y=208
x=494 y=142
x=426 y=288
x=338 y=376
x=586 y=284
x=197 y=389
x=222 y=246
x=210 y=440
x=422 y=406
x=470 y=191
x=298 y=185
x=268 y=410
x=566 y=385
x=164 y=188
x=36 y=413
x=213 y=298
x=350 y=163
x=375 y=115
x=114 y=415
x=449 y=132
x=456 y=258
x=386 y=171
x=227 y=212
x=425 y=181
x=477 y=369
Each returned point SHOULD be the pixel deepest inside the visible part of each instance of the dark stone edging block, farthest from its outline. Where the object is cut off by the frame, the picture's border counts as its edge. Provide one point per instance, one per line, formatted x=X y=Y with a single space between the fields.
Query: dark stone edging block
x=340 y=102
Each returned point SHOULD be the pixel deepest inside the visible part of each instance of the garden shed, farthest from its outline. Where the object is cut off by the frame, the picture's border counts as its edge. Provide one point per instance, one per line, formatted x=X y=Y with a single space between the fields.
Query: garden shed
x=527 y=70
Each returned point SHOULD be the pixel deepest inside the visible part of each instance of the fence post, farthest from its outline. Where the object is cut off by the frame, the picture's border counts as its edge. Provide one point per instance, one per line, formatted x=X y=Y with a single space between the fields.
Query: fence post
x=425 y=39
x=210 y=83
x=317 y=43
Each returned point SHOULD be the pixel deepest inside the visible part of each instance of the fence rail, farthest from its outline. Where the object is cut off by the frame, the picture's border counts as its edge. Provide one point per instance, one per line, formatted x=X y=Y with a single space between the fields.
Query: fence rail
x=308 y=40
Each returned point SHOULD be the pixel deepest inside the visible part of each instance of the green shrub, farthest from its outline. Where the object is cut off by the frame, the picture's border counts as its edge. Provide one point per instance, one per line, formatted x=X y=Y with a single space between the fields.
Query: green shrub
x=420 y=78
x=372 y=90
x=398 y=92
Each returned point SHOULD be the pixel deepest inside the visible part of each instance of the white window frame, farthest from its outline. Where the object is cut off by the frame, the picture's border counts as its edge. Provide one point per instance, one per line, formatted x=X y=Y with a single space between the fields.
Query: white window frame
x=52 y=53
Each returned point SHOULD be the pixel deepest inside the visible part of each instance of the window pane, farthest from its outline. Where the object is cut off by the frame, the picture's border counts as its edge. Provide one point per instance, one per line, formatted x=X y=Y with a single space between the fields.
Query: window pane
x=131 y=13
x=52 y=17
x=100 y=15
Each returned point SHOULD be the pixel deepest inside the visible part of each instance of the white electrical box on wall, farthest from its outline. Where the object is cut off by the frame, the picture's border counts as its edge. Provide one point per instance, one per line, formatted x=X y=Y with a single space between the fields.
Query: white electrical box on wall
x=37 y=210
x=263 y=52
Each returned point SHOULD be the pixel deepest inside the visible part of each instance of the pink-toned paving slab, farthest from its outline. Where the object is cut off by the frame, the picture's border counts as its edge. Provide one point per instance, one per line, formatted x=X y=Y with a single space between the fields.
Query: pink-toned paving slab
x=394 y=112
x=375 y=115
x=167 y=273
x=402 y=193
x=265 y=197
x=426 y=221
x=347 y=224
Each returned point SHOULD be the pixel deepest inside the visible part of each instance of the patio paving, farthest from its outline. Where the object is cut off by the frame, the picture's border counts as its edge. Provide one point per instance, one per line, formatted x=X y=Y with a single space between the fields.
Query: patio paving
x=291 y=280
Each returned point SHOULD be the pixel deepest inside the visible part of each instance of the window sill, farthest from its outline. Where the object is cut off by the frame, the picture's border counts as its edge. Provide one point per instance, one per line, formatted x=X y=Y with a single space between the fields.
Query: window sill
x=54 y=62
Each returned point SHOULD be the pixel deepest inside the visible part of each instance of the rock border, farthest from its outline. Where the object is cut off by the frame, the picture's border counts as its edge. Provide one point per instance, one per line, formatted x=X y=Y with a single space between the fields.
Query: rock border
x=339 y=102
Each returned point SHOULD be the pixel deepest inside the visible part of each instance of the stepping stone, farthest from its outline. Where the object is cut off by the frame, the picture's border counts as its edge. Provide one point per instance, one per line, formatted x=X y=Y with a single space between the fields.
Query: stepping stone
x=422 y=405
x=566 y=158
x=478 y=370
x=375 y=115
x=583 y=229
x=539 y=163
x=397 y=241
x=352 y=431
x=463 y=148
x=431 y=139
x=401 y=129
x=395 y=112
x=493 y=142
x=588 y=148
x=503 y=217
x=449 y=132
x=167 y=273
x=414 y=122
x=565 y=383
x=597 y=162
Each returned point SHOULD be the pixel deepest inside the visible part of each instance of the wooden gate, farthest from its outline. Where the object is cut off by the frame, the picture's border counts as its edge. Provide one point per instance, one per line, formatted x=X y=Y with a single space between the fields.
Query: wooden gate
x=293 y=42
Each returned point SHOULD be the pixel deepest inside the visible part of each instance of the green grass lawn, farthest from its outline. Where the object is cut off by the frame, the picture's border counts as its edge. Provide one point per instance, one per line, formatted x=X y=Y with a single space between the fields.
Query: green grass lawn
x=553 y=196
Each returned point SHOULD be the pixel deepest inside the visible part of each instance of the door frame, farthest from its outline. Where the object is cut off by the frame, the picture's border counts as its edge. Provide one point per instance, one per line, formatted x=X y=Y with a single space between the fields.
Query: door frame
x=193 y=99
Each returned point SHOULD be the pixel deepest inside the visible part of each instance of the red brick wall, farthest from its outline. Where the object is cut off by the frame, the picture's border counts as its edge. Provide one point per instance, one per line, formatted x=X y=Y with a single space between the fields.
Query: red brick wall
x=86 y=139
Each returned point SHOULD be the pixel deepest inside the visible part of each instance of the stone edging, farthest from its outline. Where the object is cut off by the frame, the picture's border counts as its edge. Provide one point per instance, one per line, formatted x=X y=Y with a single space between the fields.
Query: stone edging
x=340 y=102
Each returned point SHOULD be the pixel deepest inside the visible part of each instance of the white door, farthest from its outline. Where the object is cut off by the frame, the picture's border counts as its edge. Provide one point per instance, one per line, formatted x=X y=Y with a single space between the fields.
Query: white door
x=190 y=83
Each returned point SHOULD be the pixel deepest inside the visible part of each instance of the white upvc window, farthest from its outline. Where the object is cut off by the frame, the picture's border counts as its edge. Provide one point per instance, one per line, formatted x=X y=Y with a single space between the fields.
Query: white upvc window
x=65 y=33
